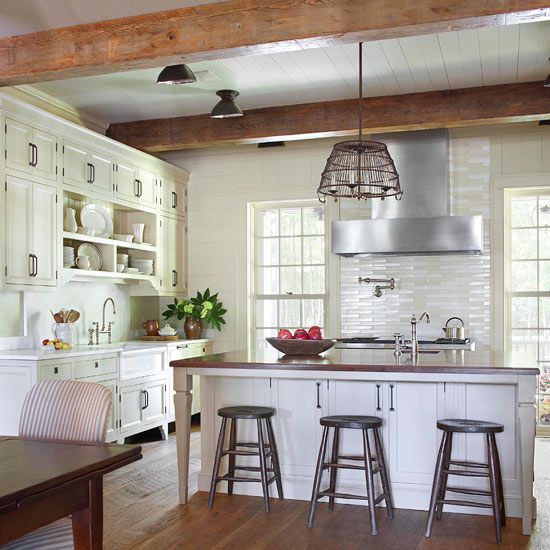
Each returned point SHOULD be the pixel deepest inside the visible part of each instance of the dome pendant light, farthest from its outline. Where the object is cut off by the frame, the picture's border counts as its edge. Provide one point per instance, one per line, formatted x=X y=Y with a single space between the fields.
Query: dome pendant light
x=359 y=169
x=226 y=107
x=176 y=74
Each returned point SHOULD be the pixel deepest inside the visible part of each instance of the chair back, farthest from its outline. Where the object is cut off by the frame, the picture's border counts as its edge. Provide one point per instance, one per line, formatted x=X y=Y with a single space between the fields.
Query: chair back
x=66 y=410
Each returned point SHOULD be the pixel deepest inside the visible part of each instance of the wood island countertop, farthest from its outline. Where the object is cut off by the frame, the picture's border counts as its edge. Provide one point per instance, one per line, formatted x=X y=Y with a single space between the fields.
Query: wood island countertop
x=368 y=360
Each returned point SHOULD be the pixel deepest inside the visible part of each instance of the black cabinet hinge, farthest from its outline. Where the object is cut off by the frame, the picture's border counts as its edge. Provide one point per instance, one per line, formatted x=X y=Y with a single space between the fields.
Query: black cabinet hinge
x=56 y=147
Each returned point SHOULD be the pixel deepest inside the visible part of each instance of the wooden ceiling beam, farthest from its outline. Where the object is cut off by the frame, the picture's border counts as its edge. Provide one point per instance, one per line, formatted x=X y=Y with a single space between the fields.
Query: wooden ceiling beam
x=241 y=27
x=443 y=109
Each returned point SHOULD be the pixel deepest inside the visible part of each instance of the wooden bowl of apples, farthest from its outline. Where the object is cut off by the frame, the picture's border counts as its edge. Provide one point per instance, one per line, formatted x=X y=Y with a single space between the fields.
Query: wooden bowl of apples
x=302 y=342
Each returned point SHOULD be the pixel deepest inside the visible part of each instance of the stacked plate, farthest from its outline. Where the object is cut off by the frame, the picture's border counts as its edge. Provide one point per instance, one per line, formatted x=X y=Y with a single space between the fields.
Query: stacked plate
x=144 y=266
x=68 y=256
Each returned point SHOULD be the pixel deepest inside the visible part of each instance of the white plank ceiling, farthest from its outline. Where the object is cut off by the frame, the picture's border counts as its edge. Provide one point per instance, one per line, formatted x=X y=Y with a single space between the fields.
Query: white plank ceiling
x=442 y=61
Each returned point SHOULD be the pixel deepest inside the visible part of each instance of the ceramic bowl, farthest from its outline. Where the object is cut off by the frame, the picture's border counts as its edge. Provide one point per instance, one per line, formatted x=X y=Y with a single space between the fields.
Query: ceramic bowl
x=125 y=238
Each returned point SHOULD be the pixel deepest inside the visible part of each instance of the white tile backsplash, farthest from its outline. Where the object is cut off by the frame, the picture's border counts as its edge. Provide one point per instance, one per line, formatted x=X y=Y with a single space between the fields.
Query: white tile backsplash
x=445 y=286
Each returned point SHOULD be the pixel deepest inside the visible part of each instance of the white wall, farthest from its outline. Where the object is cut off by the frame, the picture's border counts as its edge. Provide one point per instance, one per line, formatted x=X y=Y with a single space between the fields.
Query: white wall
x=223 y=180
x=87 y=298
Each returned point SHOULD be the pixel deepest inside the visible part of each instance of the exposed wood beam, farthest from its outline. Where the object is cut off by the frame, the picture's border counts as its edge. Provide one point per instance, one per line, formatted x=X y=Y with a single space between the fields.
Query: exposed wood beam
x=241 y=27
x=443 y=109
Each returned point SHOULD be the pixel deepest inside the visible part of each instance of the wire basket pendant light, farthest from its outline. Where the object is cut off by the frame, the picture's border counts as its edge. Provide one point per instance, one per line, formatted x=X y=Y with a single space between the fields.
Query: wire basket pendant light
x=359 y=169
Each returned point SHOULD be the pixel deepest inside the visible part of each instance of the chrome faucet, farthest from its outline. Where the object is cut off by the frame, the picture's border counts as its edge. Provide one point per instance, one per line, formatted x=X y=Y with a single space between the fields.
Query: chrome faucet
x=103 y=330
x=414 y=337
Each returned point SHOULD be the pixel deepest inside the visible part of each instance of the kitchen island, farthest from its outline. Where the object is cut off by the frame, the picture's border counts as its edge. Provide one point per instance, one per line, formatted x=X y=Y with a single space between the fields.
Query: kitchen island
x=410 y=396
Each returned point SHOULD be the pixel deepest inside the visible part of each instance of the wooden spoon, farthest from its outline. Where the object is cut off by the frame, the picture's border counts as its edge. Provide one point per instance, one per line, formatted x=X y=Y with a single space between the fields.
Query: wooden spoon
x=73 y=316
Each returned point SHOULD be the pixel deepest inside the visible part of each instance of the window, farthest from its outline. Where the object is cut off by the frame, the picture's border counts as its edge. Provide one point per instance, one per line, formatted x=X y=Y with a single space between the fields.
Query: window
x=290 y=267
x=527 y=281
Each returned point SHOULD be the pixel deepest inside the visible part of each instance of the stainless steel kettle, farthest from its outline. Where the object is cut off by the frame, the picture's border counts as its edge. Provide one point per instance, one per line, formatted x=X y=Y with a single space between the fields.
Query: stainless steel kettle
x=456 y=332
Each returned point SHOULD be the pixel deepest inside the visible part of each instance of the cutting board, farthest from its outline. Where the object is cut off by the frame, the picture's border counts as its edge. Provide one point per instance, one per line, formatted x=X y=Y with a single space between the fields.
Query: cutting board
x=160 y=338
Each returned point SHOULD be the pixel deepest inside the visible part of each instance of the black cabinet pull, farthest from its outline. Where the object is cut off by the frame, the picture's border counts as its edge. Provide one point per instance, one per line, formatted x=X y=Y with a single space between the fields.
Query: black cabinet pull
x=96 y=365
x=56 y=370
x=93 y=173
x=391 y=398
x=174 y=277
x=33 y=265
x=378 y=397
x=146 y=399
x=89 y=180
x=174 y=200
x=139 y=185
x=31 y=154
x=145 y=404
x=318 y=395
x=35 y=154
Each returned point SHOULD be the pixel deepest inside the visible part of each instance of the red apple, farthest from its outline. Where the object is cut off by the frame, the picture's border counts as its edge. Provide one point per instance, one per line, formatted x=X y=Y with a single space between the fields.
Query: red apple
x=284 y=334
x=300 y=334
x=314 y=330
x=315 y=335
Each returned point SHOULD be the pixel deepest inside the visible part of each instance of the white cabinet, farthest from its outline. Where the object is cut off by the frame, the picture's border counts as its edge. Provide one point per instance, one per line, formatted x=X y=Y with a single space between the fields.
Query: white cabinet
x=90 y=170
x=173 y=273
x=126 y=182
x=413 y=409
x=132 y=401
x=155 y=401
x=173 y=198
x=16 y=380
x=31 y=230
x=112 y=421
x=142 y=405
x=30 y=150
x=300 y=403
x=147 y=187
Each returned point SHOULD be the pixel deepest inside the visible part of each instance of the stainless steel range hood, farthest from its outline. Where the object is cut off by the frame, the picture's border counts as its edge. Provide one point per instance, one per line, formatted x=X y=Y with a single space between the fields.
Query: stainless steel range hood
x=419 y=224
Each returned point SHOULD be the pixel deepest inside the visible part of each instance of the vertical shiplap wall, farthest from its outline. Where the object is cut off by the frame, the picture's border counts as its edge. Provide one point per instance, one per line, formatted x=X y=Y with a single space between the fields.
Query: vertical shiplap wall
x=222 y=183
x=223 y=180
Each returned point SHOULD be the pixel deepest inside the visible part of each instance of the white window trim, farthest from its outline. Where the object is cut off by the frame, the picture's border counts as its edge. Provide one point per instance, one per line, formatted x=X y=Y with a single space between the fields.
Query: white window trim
x=500 y=316
x=332 y=282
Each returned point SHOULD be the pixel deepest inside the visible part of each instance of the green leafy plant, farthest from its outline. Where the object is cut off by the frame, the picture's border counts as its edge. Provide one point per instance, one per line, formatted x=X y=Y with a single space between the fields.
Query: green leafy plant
x=203 y=306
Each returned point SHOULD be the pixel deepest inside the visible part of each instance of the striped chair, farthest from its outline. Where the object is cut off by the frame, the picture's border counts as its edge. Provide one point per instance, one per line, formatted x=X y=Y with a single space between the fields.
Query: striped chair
x=63 y=410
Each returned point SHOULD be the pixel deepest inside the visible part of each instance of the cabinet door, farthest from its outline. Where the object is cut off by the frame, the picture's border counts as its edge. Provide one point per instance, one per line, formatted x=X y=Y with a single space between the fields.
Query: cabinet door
x=355 y=397
x=132 y=401
x=300 y=404
x=18 y=230
x=155 y=402
x=75 y=165
x=180 y=198
x=180 y=243
x=168 y=253
x=102 y=172
x=147 y=187
x=126 y=187
x=173 y=197
x=15 y=382
x=43 y=216
x=46 y=155
x=111 y=423
x=413 y=409
x=18 y=146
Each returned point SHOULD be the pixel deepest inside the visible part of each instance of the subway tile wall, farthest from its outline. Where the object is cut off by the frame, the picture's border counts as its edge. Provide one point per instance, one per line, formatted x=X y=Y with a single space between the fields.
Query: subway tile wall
x=445 y=286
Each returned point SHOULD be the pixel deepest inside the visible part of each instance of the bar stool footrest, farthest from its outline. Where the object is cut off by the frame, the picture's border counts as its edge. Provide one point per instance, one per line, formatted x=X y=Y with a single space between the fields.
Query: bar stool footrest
x=467 y=491
x=465 y=503
x=465 y=473
x=468 y=464
x=329 y=493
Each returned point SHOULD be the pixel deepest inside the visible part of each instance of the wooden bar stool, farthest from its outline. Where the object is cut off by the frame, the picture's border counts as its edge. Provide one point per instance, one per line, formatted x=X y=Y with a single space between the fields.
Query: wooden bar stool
x=490 y=470
x=265 y=450
x=366 y=424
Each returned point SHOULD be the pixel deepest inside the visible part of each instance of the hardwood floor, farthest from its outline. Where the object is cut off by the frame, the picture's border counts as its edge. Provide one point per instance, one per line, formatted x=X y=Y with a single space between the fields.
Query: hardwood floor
x=142 y=512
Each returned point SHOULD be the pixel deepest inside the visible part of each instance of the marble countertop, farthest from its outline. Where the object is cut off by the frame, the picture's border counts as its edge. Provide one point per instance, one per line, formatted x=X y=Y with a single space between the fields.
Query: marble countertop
x=462 y=362
x=43 y=353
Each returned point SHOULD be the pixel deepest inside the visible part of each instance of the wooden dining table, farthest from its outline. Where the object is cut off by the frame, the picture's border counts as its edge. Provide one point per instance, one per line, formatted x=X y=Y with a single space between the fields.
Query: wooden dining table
x=42 y=481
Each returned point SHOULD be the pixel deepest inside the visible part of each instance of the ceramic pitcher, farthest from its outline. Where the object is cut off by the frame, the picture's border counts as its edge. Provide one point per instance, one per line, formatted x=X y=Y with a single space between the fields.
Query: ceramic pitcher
x=70 y=220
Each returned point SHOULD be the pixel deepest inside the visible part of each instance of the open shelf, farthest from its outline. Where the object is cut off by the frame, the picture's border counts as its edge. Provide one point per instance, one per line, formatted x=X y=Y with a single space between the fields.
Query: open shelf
x=86 y=274
x=112 y=242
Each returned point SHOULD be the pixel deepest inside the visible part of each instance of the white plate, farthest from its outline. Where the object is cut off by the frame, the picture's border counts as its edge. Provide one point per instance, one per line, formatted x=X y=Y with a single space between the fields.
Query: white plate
x=97 y=218
x=90 y=250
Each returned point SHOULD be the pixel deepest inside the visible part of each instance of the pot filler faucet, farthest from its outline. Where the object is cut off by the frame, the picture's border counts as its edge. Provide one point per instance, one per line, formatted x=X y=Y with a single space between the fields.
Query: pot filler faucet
x=103 y=329
x=414 y=338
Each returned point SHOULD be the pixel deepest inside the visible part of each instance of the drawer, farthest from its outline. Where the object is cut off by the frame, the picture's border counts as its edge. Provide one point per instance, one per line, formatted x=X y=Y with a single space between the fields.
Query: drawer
x=97 y=366
x=55 y=371
x=141 y=364
x=206 y=348
x=182 y=351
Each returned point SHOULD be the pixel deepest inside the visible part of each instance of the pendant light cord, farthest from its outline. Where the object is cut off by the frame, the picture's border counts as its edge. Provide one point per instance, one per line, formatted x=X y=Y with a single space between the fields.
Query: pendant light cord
x=360 y=91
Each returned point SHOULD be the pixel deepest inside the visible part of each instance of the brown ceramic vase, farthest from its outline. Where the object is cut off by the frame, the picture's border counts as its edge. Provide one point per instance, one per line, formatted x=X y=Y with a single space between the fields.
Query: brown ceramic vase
x=192 y=328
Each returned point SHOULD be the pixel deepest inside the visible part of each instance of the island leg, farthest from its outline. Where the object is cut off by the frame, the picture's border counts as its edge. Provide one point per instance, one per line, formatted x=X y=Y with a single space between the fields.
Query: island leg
x=527 y=425
x=183 y=386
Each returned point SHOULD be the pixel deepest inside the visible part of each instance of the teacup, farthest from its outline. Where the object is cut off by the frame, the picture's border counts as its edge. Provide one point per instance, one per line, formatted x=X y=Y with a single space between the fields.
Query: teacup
x=83 y=262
